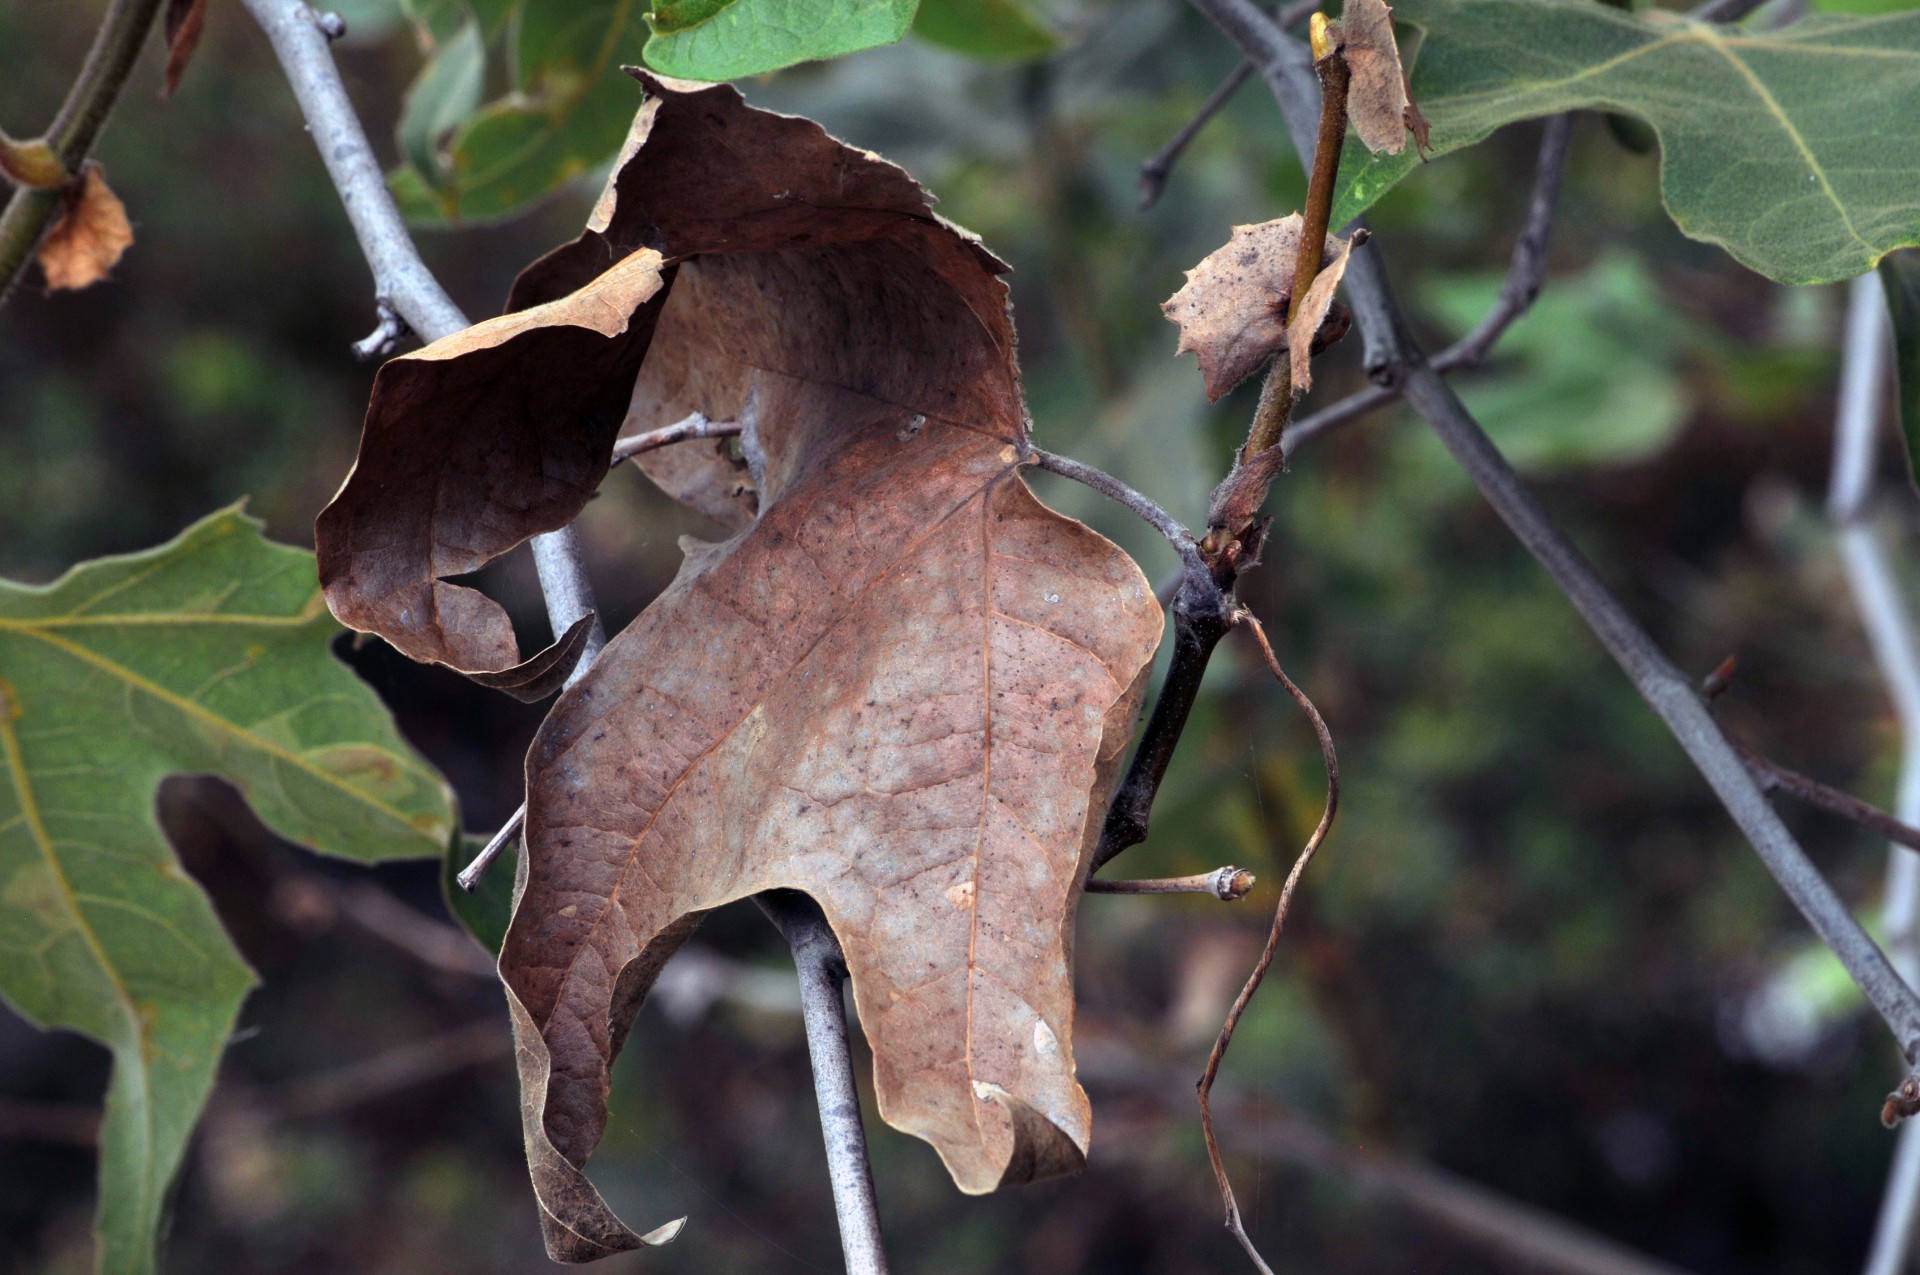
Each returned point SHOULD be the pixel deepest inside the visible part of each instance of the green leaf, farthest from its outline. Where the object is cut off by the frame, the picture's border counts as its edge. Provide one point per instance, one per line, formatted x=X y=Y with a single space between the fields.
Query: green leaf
x=568 y=113
x=486 y=909
x=727 y=39
x=997 y=29
x=204 y=656
x=1795 y=149
x=446 y=91
x=1900 y=273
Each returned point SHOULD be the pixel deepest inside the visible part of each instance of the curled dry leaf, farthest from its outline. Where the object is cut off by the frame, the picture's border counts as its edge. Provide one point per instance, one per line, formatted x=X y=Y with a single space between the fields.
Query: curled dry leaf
x=1377 y=100
x=901 y=686
x=1233 y=310
x=90 y=237
x=185 y=20
x=471 y=446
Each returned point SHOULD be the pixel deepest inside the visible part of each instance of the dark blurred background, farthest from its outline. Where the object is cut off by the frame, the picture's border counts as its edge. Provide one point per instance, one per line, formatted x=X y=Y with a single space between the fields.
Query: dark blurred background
x=1535 y=956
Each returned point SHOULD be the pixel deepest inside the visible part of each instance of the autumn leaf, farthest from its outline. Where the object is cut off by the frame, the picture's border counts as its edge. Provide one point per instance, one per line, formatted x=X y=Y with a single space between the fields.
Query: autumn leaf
x=90 y=236
x=1377 y=101
x=903 y=686
x=185 y=20
x=1234 y=309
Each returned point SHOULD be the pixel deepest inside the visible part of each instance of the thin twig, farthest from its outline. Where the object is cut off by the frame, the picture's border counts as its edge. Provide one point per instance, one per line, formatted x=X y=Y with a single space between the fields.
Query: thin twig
x=1228 y=884
x=1525 y=275
x=1667 y=691
x=387 y=1072
x=691 y=427
x=1113 y=489
x=1158 y=167
x=469 y=876
x=116 y=47
x=1773 y=777
x=402 y=283
x=823 y=975
x=1259 y=974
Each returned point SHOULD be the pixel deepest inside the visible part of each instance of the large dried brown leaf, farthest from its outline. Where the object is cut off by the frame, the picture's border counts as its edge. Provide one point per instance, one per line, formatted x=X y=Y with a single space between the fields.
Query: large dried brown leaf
x=89 y=238
x=1233 y=310
x=902 y=687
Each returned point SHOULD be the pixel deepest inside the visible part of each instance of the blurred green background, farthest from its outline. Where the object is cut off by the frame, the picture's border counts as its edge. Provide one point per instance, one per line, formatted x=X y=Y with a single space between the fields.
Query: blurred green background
x=1535 y=954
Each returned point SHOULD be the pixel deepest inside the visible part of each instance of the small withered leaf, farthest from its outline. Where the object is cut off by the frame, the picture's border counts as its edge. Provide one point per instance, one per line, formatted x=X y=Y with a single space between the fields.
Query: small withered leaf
x=89 y=238
x=1305 y=320
x=185 y=20
x=1377 y=100
x=903 y=686
x=1233 y=310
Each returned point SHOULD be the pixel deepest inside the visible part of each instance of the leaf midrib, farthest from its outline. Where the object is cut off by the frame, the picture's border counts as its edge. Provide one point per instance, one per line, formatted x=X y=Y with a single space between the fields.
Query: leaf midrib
x=39 y=631
x=43 y=841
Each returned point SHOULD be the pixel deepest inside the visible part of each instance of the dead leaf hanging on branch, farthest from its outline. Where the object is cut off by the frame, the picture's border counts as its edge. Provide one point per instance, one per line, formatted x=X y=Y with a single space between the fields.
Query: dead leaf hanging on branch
x=1235 y=310
x=90 y=237
x=902 y=687
x=1377 y=101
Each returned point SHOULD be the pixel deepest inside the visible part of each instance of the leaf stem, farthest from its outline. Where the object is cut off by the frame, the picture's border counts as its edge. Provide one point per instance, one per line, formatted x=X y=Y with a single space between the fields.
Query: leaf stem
x=116 y=47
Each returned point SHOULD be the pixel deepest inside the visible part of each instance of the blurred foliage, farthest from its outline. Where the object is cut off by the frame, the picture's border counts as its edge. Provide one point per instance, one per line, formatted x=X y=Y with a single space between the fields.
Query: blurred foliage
x=1534 y=952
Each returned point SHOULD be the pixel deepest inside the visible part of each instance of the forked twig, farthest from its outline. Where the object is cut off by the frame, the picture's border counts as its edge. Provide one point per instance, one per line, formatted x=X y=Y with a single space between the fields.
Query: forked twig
x=1240 y=1002
x=1526 y=273
x=1391 y=350
x=1158 y=167
x=691 y=427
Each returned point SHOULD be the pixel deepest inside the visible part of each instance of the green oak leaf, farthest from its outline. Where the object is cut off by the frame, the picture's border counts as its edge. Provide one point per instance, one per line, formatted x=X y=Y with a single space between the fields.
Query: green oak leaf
x=566 y=115
x=1795 y=150
x=1900 y=274
x=207 y=655
x=995 y=29
x=727 y=39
